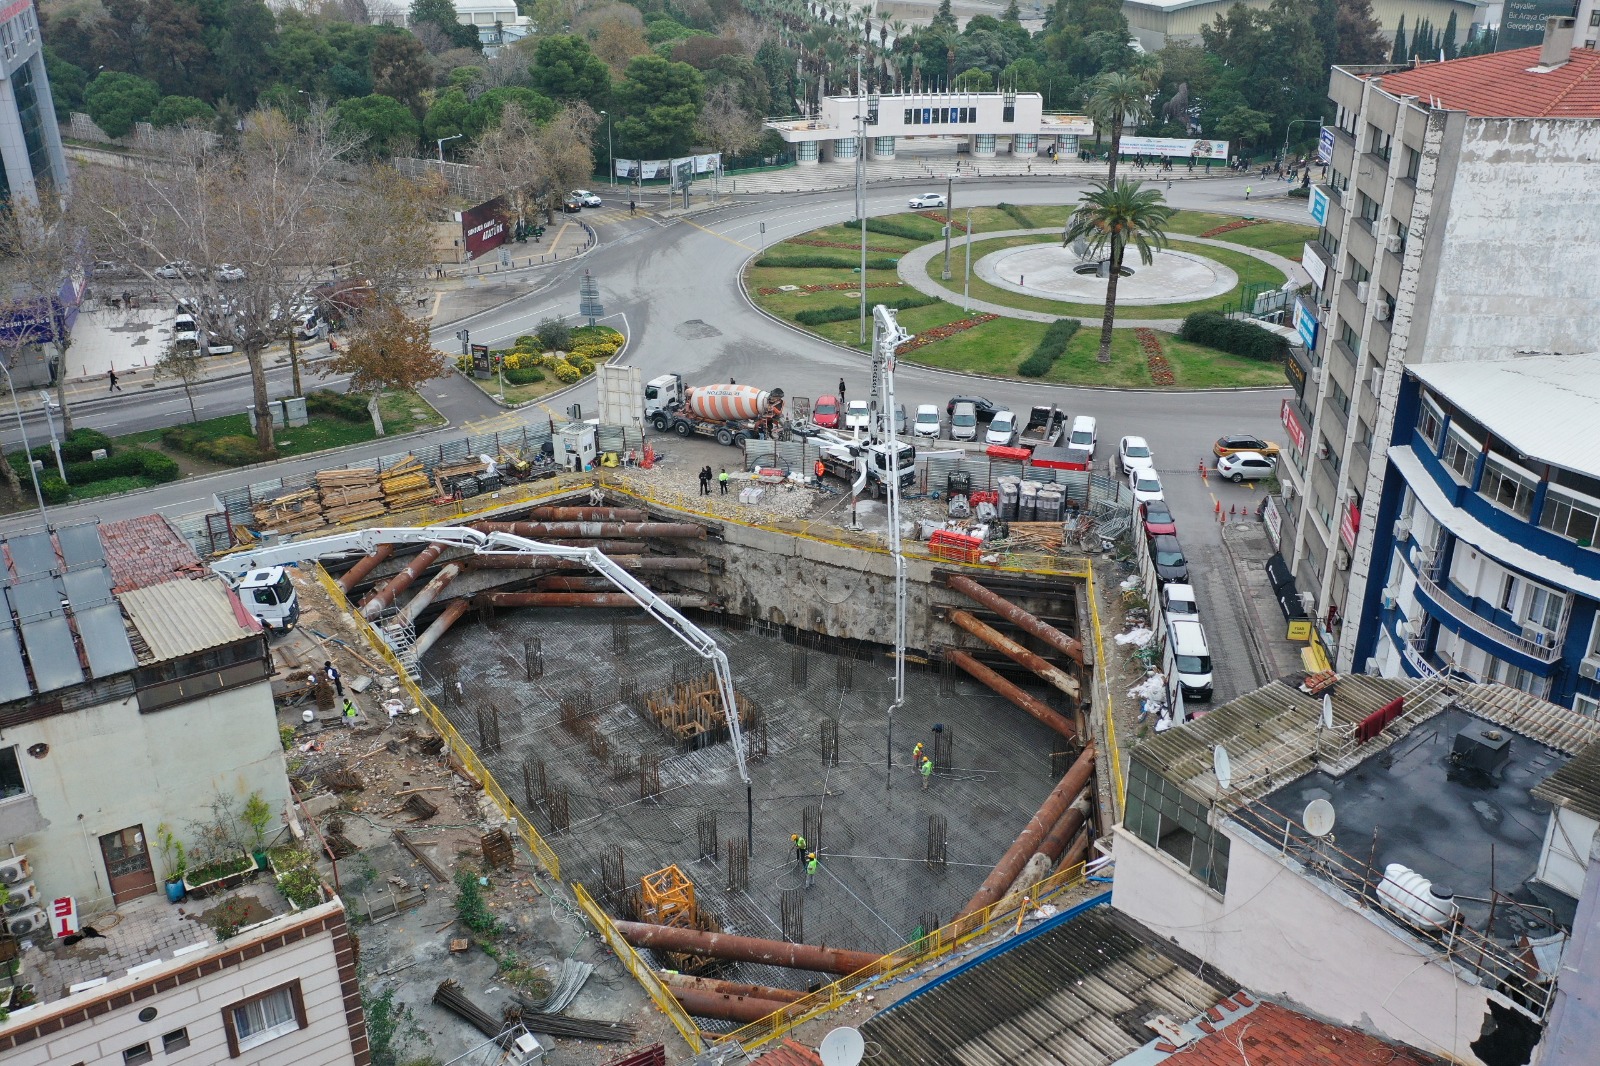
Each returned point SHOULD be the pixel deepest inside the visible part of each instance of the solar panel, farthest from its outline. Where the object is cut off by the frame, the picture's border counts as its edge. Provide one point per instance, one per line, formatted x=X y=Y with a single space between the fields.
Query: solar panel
x=45 y=632
x=13 y=678
x=81 y=544
x=90 y=587
x=105 y=640
x=37 y=598
x=32 y=554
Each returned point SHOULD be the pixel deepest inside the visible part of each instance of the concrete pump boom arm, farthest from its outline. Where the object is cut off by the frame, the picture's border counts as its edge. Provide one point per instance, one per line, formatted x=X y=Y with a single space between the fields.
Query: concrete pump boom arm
x=697 y=639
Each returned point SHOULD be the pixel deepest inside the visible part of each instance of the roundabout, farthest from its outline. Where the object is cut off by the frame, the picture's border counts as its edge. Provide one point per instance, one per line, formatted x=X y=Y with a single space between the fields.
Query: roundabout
x=1050 y=271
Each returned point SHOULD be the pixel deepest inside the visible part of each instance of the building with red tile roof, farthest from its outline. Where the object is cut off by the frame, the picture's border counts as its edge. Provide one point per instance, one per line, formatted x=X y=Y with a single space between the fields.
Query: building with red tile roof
x=147 y=551
x=1505 y=85
x=1273 y=1035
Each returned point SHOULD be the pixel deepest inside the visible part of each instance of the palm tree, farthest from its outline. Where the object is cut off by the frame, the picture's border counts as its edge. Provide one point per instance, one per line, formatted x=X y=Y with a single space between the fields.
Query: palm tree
x=1116 y=100
x=1110 y=217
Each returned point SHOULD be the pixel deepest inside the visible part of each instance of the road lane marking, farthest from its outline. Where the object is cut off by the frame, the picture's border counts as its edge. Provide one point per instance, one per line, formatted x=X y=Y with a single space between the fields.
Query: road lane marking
x=719 y=236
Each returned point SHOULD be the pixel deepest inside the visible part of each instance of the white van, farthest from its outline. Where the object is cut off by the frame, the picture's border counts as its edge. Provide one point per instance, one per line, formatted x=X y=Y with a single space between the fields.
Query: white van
x=1083 y=434
x=1190 y=657
x=964 y=422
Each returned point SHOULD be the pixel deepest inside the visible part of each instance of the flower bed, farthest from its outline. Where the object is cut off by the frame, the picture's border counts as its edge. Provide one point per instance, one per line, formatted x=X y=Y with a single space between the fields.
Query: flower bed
x=842 y=286
x=1238 y=223
x=939 y=333
x=843 y=244
x=218 y=877
x=944 y=220
x=1150 y=345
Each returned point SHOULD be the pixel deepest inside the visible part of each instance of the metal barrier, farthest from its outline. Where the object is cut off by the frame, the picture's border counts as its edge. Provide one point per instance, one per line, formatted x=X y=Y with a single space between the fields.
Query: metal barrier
x=643 y=974
x=1002 y=914
x=1119 y=795
x=457 y=746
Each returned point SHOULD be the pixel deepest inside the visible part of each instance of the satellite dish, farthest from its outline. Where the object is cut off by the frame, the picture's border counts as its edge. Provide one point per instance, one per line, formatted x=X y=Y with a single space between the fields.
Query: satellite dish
x=1327 y=710
x=842 y=1047
x=1222 y=765
x=1318 y=818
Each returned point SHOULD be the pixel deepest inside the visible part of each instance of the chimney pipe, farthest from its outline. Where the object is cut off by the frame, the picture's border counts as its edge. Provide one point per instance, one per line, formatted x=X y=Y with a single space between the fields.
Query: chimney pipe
x=1556 y=49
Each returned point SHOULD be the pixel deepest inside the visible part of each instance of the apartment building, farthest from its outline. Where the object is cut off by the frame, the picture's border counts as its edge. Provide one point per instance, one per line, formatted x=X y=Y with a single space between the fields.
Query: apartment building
x=30 y=141
x=1458 y=224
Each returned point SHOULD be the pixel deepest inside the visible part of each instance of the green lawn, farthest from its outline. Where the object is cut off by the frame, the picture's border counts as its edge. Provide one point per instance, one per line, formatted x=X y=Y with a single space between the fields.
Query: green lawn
x=1282 y=238
x=402 y=412
x=518 y=394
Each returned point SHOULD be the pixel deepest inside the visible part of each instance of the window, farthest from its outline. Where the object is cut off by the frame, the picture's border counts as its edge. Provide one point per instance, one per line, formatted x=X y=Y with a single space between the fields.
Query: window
x=1430 y=422
x=1413 y=163
x=141 y=1053
x=1350 y=337
x=1165 y=817
x=1357 y=271
x=1460 y=454
x=1379 y=143
x=12 y=783
x=1570 y=516
x=1329 y=242
x=176 y=1040
x=264 y=1017
x=1368 y=207
x=1338 y=180
x=1508 y=487
x=1594 y=17
x=1404 y=233
x=1338 y=396
x=1587 y=706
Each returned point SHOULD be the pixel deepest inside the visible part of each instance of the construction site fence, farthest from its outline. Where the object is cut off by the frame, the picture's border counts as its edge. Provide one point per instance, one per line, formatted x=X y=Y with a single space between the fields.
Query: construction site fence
x=1004 y=916
x=647 y=977
x=457 y=747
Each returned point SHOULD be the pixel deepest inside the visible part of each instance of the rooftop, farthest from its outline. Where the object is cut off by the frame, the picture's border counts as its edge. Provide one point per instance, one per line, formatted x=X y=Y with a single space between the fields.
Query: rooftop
x=1507 y=84
x=1576 y=785
x=1543 y=406
x=146 y=551
x=1273 y=1035
x=179 y=618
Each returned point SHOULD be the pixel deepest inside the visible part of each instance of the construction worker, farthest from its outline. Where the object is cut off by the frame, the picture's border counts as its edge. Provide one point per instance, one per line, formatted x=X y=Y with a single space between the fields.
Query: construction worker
x=349 y=712
x=799 y=843
x=916 y=755
x=927 y=772
x=722 y=482
x=811 y=868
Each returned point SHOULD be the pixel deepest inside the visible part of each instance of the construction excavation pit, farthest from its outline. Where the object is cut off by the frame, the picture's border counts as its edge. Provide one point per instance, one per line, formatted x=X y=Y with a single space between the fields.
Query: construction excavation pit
x=747 y=881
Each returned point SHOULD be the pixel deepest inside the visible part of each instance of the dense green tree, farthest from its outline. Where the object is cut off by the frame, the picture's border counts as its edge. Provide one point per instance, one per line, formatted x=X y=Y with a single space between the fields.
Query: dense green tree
x=384 y=124
x=1013 y=14
x=245 y=46
x=177 y=110
x=400 y=69
x=1360 y=39
x=301 y=56
x=974 y=80
x=486 y=109
x=450 y=116
x=1243 y=127
x=1110 y=218
x=944 y=20
x=1398 y=53
x=1115 y=99
x=116 y=101
x=660 y=103
x=441 y=14
x=565 y=69
x=67 y=82
x=1452 y=30
x=1023 y=76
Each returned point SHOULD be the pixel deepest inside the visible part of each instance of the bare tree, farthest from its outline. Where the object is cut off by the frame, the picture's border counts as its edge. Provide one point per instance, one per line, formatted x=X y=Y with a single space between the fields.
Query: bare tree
x=535 y=166
x=41 y=264
x=183 y=365
x=726 y=126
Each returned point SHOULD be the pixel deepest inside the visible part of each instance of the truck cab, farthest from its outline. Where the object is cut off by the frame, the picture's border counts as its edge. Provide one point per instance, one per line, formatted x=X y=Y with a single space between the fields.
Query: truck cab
x=664 y=393
x=269 y=595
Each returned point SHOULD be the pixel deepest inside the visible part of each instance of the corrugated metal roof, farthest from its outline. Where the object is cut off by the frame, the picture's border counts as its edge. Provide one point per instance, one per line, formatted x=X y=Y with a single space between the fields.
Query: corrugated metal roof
x=1575 y=785
x=1543 y=405
x=1077 y=995
x=179 y=618
x=1508 y=84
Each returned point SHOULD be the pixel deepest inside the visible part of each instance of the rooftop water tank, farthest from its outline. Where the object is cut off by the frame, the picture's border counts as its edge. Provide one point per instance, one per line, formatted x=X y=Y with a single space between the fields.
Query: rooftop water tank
x=1408 y=895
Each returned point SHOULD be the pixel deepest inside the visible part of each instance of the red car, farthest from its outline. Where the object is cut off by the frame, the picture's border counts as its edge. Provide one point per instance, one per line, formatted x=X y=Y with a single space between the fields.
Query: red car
x=825 y=412
x=1157 y=519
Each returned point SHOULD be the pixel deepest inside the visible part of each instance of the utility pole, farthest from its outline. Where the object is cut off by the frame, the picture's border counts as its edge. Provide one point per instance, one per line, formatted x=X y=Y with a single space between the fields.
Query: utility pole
x=887 y=338
x=949 y=219
x=861 y=192
x=966 y=286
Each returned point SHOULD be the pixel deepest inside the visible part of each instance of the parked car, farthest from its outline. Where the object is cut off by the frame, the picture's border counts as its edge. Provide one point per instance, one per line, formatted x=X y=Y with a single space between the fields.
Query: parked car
x=1246 y=466
x=1132 y=452
x=1083 y=434
x=586 y=198
x=927 y=423
x=900 y=418
x=1179 y=601
x=1243 y=442
x=1167 y=555
x=825 y=412
x=964 y=422
x=927 y=199
x=229 y=272
x=572 y=205
x=1002 y=429
x=1146 y=485
x=1157 y=518
x=178 y=268
x=985 y=409
x=1191 y=657
x=857 y=414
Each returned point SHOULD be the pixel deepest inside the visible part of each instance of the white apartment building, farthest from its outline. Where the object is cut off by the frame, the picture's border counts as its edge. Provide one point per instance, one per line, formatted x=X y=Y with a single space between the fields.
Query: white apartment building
x=1458 y=223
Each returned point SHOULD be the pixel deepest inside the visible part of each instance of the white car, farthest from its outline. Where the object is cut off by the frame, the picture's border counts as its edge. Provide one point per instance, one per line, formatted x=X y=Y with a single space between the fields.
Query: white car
x=1179 y=601
x=1246 y=466
x=1145 y=485
x=176 y=269
x=229 y=272
x=1134 y=452
x=857 y=415
x=1002 y=429
x=928 y=199
x=927 y=423
x=586 y=198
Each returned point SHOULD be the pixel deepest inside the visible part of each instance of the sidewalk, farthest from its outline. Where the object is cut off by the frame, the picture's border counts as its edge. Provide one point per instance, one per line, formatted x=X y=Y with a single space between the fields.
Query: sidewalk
x=1248 y=547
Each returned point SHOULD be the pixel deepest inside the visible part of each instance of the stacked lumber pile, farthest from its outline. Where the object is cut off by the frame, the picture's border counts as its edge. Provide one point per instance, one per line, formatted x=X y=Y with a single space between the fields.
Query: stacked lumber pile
x=445 y=475
x=292 y=512
x=406 y=484
x=1036 y=536
x=350 y=495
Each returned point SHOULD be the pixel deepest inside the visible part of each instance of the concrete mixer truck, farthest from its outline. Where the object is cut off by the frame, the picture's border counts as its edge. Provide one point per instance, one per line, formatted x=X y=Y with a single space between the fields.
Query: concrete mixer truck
x=728 y=413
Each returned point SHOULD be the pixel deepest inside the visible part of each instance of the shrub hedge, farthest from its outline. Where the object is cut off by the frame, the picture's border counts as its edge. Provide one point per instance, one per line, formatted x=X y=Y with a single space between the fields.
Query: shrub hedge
x=130 y=462
x=893 y=229
x=1017 y=215
x=523 y=375
x=337 y=404
x=804 y=262
x=848 y=311
x=238 y=450
x=1216 y=330
x=1050 y=347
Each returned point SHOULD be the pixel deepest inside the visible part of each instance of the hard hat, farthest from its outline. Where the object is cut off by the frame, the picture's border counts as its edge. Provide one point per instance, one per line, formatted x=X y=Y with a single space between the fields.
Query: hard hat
x=812 y=855
x=794 y=836
x=308 y=715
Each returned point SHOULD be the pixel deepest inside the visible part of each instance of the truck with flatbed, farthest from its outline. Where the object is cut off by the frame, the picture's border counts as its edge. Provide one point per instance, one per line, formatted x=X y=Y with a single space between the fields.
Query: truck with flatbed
x=727 y=413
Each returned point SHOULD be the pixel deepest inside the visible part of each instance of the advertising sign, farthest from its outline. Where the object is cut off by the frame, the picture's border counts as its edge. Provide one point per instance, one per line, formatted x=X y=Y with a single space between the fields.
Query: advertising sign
x=1176 y=147
x=1349 y=523
x=1325 y=146
x=483 y=228
x=1319 y=205
x=1313 y=265
x=1291 y=425
x=1272 y=518
x=1305 y=324
x=482 y=367
x=1522 y=22
x=64 y=916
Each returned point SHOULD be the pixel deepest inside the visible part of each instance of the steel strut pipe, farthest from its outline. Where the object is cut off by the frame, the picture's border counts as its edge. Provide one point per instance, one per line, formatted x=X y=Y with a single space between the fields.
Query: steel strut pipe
x=1016 y=652
x=729 y=988
x=610 y=547
x=430 y=592
x=587 y=514
x=1065 y=829
x=726 y=1007
x=1027 y=843
x=746 y=948
x=1075 y=851
x=364 y=566
x=573 y=584
x=384 y=594
x=441 y=625
x=1018 y=617
x=541 y=530
x=627 y=562
x=583 y=599
x=1031 y=704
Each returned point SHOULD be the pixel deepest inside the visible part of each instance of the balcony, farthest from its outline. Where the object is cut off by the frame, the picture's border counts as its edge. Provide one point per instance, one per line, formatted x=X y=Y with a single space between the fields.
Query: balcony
x=1447 y=602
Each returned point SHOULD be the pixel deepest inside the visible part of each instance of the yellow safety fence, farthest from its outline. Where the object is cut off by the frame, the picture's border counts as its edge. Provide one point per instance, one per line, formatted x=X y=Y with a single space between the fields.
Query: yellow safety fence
x=1113 y=750
x=458 y=747
x=646 y=977
x=999 y=916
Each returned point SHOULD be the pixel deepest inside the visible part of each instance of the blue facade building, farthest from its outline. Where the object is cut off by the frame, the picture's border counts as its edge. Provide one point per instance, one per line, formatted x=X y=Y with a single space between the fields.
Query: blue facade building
x=1488 y=521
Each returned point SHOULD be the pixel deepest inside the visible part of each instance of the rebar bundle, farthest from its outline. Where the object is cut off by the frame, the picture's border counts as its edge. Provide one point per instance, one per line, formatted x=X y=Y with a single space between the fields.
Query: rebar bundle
x=738 y=852
x=844 y=672
x=557 y=810
x=532 y=658
x=613 y=877
x=811 y=826
x=793 y=906
x=705 y=824
x=621 y=628
x=943 y=748
x=649 y=775
x=797 y=666
x=449 y=996
x=559 y=1025
x=828 y=735
x=938 y=839
x=489 y=728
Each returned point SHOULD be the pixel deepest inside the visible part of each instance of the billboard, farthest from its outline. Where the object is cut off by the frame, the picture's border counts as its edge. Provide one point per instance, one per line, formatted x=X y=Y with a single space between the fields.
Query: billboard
x=651 y=169
x=1522 y=21
x=1325 y=146
x=1176 y=147
x=1305 y=324
x=1319 y=205
x=1313 y=265
x=483 y=228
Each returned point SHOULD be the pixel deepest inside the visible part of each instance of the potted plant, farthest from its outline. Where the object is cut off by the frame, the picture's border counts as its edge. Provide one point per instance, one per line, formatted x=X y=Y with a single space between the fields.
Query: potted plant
x=218 y=858
x=256 y=816
x=174 y=860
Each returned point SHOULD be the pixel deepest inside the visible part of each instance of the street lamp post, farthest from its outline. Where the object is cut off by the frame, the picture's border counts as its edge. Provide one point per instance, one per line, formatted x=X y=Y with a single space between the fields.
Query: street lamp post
x=966 y=286
x=1283 y=156
x=611 y=163
x=27 y=449
x=949 y=219
x=55 y=445
x=443 y=140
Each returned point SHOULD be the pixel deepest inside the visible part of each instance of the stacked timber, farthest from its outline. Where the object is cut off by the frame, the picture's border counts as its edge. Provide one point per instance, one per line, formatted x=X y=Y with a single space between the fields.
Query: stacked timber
x=350 y=495
x=292 y=512
x=1036 y=536
x=406 y=484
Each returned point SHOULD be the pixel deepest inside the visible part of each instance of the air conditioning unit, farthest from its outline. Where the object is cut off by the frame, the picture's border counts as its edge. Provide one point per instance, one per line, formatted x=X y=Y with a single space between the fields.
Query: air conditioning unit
x=1408 y=629
x=1318 y=372
x=1362 y=289
x=32 y=920
x=1589 y=669
x=22 y=896
x=1381 y=312
x=1402 y=529
x=1535 y=635
x=1341 y=559
x=15 y=869
x=1374 y=227
x=1392 y=243
x=1376 y=380
x=1322 y=451
x=1388 y=599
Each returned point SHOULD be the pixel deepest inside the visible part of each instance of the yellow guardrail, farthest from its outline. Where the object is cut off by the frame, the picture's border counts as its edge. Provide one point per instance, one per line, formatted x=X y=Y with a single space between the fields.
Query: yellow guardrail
x=458 y=747
x=642 y=973
x=1113 y=750
x=1002 y=914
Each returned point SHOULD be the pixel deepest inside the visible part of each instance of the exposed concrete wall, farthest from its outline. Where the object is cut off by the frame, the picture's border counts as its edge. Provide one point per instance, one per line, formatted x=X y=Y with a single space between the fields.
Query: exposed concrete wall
x=1286 y=936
